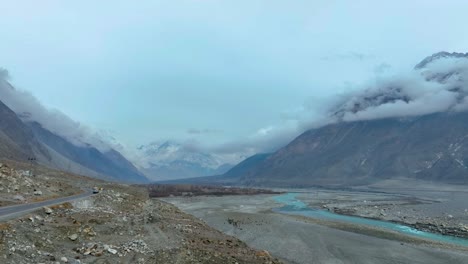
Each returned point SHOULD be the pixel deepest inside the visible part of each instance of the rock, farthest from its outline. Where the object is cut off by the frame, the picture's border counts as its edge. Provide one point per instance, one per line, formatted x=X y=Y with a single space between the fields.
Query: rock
x=24 y=173
x=263 y=254
x=88 y=231
x=37 y=193
x=73 y=237
x=15 y=188
x=112 y=251
x=19 y=198
x=47 y=210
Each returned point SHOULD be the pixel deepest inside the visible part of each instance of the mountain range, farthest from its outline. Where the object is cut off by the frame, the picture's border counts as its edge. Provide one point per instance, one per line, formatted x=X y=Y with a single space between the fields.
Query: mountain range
x=414 y=127
x=171 y=160
x=365 y=142
x=28 y=141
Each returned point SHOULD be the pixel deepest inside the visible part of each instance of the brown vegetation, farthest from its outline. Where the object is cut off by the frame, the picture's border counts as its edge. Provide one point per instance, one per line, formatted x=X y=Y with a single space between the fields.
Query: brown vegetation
x=163 y=190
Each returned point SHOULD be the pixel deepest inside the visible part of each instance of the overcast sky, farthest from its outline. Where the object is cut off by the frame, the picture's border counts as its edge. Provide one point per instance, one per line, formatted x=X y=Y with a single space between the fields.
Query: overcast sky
x=211 y=70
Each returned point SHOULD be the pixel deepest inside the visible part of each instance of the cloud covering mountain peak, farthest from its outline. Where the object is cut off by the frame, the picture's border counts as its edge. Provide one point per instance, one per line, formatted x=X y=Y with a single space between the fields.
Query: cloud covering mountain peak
x=439 y=83
x=29 y=109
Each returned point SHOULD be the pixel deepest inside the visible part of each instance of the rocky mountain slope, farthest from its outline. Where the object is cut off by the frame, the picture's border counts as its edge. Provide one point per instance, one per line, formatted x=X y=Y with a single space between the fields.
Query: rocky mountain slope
x=413 y=127
x=22 y=140
x=432 y=147
x=16 y=139
x=121 y=224
x=110 y=163
x=231 y=177
x=170 y=160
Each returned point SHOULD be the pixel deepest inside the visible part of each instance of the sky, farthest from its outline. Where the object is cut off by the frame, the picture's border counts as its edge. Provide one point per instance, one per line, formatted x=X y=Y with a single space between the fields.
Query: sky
x=218 y=73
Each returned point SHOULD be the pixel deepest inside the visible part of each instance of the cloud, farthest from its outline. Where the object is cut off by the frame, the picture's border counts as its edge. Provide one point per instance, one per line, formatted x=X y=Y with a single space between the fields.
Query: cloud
x=28 y=107
x=352 y=56
x=194 y=131
x=439 y=86
x=382 y=68
x=266 y=139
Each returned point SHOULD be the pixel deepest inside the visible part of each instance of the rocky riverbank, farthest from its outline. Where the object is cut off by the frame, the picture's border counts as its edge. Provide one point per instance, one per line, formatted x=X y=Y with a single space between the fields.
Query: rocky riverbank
x=298 y=239
x=439 y=213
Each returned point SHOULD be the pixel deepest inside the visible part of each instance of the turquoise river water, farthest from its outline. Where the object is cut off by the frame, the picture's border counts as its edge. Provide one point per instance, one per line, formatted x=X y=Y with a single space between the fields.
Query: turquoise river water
x=292 y=205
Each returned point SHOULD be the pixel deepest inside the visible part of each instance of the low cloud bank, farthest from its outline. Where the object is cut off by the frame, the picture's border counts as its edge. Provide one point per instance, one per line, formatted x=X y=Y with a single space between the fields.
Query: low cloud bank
x=28 y=108
x=438 y=84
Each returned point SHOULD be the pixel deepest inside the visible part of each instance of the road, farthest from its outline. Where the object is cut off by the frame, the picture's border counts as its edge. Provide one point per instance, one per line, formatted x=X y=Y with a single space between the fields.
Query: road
x=9 y=212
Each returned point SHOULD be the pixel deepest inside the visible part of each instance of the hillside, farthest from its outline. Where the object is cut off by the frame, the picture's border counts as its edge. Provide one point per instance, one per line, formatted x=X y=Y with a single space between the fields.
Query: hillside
x=231 y=177
x=432 y=148
x=17 y=141
x=409 y=127
x=110 y=163
x=120 y=224
x=23 y=141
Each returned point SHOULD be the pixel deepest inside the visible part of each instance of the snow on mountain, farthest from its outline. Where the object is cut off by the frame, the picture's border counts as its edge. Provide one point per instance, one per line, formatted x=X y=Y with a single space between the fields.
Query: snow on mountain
x=171 y=160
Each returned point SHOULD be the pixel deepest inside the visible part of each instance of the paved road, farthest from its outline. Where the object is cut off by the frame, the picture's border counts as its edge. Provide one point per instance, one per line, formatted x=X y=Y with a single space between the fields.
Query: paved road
x=9 y=212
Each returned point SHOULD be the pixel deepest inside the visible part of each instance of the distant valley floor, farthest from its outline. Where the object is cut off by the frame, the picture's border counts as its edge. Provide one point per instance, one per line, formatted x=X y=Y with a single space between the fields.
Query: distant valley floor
x=301 y=240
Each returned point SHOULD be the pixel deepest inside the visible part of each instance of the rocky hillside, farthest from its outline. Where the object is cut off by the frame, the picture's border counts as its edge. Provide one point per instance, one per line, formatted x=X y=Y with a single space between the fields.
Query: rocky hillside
x=110 y=163
x=408 y=127
x=16 y=139
x=231 y=177
x=30 y=131
x=118 y=225
x=432 y=147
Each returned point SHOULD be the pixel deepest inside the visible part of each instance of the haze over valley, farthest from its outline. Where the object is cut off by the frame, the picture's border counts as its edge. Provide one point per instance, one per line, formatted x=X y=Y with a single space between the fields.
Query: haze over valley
x=233 y=132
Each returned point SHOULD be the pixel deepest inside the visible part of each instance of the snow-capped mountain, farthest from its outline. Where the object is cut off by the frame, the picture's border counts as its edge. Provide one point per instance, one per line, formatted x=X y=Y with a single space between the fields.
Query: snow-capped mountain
x=171 y=160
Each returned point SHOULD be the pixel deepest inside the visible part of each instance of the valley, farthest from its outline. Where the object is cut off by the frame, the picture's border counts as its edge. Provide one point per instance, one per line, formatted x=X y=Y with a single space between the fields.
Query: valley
x=234 y=132
x=303 y=236
x=119 y=224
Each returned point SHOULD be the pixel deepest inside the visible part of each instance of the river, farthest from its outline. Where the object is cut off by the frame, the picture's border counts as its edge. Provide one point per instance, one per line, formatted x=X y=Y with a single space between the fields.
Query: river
x=292 y=205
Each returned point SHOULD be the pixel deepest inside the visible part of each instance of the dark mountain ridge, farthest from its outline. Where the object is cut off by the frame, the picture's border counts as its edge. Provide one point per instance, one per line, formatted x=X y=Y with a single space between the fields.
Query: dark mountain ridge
x=352 y=150
x=110 y=162
x=17 y=141
x=432 y=147
x=29 y=141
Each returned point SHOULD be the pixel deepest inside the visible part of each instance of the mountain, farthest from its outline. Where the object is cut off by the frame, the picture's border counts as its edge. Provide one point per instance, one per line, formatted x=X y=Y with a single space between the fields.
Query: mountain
x=23 y=140
x=394 y=131
x=170 y=160
x=432 y=147
x=438 y=56
x=246 y=165
x=234 y=176
x=17 y=141
x=109 y=163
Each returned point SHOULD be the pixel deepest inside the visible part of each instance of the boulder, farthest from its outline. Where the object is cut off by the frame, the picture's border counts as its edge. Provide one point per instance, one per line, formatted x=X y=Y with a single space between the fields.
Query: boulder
x=47 y=210
x=19 y=197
